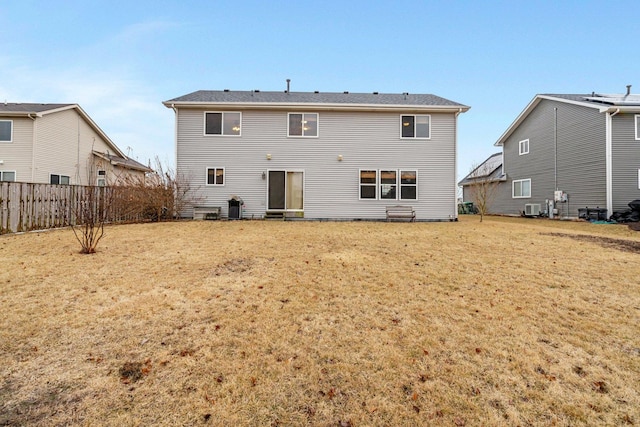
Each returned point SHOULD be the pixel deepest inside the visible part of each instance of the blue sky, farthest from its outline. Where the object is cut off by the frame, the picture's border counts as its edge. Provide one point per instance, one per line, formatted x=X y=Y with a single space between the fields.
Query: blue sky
x=120 y=59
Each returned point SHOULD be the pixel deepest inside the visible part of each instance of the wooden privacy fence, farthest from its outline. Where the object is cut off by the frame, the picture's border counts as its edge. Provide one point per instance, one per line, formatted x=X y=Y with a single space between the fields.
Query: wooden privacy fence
x=26 y=207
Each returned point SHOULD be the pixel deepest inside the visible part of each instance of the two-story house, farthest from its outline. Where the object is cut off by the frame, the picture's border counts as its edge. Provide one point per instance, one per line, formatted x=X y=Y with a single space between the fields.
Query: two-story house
x=340 y=156
x=567 y=152
x=59 y=144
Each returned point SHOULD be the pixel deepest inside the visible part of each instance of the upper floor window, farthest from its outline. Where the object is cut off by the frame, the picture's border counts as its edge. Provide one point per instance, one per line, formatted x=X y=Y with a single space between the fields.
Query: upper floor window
x=58 y=179
x=523 y=147
x=6 y=130
x=638 y=126
x=416 y=126
x=521 y=188
x=303 y=124
x=7 y=176
x=215 y=176
x=223 y=123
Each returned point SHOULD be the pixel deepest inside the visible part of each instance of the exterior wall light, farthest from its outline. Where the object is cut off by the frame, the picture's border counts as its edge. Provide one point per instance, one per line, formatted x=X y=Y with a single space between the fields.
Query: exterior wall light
x=268 y=156
x=340 y=157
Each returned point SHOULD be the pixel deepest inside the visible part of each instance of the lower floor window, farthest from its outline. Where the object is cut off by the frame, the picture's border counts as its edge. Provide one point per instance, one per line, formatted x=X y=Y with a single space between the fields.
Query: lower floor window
x=101 y=181
x=521 y=188
x=59 y=179
x=389 y=184
x=368 y=183
x=215 y=176
x=9 y=176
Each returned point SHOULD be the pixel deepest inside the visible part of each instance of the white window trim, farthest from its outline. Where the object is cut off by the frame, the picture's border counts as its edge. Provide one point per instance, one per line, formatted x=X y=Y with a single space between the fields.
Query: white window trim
x=59 y=175
x=15 y=175
x=10 y=136
x=206 y=176
x=380 y=184
x=414 y=125
x=204 y=124
x=407 y=185
x=637 y=119
x=638 y=179
x=374 y=185
x=101 y=177
x=513 y=188
x=303 y=136
x=521 y=144
x=398 y=184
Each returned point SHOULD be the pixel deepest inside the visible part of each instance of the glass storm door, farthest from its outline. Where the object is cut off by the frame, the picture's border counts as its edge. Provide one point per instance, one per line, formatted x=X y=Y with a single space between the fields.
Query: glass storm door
x=286 y=189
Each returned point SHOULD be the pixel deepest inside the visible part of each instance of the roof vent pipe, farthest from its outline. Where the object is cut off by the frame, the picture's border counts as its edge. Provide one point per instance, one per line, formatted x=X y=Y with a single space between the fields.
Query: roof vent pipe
x=628 y=90
x=288 y=85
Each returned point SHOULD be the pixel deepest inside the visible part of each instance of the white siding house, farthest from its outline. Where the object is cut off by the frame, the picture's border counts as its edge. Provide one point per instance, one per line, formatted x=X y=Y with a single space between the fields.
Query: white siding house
x=341 y=156
x=59 y=144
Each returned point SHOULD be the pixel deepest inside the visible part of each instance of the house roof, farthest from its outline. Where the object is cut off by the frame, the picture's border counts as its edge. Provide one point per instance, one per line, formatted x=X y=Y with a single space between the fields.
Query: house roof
x=489 y=170
x=24 y=109
x=319 y=100
x=600 y=100
x=124 y=162
x=35 y=110
x=604 y=103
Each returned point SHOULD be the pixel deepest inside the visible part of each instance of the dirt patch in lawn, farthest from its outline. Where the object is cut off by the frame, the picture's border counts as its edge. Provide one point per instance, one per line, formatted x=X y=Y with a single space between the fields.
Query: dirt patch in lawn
x=607 y=242
x=305 y=323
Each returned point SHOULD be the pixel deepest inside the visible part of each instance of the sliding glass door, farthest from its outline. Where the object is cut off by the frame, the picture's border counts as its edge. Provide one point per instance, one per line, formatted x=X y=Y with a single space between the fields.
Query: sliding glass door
x=286 y=190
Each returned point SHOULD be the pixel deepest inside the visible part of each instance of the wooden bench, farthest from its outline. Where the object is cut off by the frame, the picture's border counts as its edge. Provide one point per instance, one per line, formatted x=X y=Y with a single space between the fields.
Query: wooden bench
x=206 y=212
x=401 y=212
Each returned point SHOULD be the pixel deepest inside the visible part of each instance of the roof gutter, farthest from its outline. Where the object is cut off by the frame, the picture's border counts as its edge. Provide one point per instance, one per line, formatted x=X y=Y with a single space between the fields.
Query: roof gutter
x=609 y=158
x=319 y=107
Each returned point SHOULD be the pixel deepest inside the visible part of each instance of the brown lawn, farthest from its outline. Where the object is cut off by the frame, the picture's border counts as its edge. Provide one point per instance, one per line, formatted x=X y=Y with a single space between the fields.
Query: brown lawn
x=505 y=322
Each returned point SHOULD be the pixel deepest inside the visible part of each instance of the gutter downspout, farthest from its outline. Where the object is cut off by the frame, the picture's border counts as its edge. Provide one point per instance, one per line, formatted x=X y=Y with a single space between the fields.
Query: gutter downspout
x=175 y=136
x=455 y=163
x=609 y=160
x=555 y=144
x=33 y=148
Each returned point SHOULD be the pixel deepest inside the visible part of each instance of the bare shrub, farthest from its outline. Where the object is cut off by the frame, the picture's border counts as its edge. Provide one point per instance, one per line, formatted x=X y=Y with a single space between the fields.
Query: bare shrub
x=483 y=187
x=90 y=212
x=159 y=196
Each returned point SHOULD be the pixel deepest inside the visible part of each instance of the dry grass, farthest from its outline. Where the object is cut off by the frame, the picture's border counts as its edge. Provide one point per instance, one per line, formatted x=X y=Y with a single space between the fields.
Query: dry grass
x=505 y=322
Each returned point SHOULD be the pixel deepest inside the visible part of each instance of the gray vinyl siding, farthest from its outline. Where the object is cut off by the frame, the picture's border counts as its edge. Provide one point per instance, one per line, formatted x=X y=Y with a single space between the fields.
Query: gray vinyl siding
x=17 y=155
x=64 y=143
x=580 y=159
x=366 y=140
x=625 y=161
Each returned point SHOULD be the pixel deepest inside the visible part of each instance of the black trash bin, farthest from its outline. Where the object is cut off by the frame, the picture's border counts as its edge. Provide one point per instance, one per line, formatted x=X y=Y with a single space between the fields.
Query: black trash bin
x=235 y=208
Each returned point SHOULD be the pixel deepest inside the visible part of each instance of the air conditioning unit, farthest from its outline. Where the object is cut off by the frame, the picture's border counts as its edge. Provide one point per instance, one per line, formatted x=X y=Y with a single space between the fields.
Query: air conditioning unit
x=532 y=209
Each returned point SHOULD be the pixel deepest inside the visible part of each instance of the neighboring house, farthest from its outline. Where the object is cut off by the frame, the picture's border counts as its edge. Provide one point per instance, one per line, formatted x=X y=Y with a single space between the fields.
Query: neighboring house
x=489 y=171
x=319 y=155
x=579 y=150
x=59 y=144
